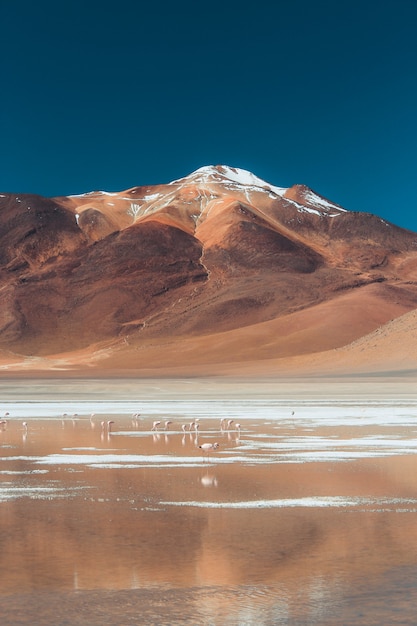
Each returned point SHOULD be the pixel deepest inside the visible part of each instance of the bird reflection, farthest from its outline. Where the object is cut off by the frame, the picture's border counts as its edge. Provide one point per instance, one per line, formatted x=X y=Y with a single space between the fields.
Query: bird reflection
x=209 y=480
x=187 y=438
x=106 y=429
x=191 y=438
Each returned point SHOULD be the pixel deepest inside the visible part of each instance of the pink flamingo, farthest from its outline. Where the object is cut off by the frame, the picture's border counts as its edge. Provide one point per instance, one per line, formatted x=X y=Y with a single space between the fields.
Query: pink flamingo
x=155 y=425
x=207 y=448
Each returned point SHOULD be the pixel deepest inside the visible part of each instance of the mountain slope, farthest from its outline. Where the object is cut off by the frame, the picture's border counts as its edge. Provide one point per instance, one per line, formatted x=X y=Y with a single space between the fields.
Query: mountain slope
x=218 y=266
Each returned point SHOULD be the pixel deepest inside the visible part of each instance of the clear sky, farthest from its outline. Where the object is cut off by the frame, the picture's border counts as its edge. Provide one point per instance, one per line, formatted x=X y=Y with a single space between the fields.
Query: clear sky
x=108 y=96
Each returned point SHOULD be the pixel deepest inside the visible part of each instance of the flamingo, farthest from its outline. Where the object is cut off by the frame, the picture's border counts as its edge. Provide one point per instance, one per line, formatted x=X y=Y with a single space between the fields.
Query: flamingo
x=109 y=423
x=207 y=448
x=229 y=424
x=155 y=425
x=167 y=423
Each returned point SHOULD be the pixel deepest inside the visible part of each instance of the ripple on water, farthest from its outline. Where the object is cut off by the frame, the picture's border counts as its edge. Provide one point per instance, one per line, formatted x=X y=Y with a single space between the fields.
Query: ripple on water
x=229 y=606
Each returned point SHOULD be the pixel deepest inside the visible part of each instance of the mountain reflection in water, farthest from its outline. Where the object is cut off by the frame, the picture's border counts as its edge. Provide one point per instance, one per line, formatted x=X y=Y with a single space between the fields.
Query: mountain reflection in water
x=302 y=519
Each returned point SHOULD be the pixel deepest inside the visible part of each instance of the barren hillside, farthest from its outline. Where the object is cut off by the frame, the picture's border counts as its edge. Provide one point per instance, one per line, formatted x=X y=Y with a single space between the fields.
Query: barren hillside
x=216 y=272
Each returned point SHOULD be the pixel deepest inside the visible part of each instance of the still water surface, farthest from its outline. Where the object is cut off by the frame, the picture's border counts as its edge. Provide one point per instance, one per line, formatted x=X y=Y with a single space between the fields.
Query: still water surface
x=304 y=515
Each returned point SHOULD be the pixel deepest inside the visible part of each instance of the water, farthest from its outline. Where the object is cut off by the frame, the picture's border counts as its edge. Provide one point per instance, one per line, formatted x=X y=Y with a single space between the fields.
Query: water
x=307 y=516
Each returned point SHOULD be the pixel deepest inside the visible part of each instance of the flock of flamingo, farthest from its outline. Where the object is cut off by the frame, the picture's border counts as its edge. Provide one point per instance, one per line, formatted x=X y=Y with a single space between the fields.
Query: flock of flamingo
x=194 y=426
x=157 y=426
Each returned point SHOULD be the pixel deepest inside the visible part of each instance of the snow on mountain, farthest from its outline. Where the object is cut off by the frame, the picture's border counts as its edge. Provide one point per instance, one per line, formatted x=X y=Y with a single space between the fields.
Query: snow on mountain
x=230 y=179
x=320 y=202
x=195 y=194
x=230 y=175
x=313 y=203
x=236 y=180
x=305 y=198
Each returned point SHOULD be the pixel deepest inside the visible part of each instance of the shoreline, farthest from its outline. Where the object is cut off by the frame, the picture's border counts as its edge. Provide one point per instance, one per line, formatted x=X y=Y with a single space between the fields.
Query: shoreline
x=352 y=389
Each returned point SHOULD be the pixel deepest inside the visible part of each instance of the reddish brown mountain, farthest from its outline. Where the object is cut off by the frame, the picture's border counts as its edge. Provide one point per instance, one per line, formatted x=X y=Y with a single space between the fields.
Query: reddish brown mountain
x=209 y=273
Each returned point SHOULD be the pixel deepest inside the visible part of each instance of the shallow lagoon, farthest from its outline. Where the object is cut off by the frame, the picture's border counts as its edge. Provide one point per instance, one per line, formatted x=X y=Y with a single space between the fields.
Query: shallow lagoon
x=307 y=516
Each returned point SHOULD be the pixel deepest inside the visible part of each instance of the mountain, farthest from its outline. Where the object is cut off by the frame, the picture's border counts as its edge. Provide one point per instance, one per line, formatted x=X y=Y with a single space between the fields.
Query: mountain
x=208 y=273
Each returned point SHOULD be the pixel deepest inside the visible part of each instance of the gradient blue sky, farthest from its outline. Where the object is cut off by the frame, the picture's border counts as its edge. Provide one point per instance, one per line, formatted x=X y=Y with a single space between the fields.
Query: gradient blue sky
x=110 y=96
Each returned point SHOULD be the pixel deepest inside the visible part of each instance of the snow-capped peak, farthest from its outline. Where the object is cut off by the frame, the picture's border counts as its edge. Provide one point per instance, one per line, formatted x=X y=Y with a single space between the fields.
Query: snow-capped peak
x=230 y=175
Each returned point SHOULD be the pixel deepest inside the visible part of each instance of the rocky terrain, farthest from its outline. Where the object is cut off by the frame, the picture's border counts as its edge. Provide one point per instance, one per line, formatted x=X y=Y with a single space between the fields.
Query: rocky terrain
x=218 y=272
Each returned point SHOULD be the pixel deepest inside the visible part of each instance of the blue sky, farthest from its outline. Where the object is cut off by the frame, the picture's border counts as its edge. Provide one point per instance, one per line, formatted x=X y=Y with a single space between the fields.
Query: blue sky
x=324 y=93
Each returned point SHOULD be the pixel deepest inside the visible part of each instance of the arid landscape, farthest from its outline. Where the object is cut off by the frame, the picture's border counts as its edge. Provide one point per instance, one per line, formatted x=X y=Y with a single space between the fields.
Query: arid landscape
x=267 y=324
x=216 y=273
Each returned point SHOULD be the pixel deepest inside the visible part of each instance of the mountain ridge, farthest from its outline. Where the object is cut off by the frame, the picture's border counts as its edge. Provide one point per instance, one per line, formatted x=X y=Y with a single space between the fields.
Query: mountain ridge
x=184 y=263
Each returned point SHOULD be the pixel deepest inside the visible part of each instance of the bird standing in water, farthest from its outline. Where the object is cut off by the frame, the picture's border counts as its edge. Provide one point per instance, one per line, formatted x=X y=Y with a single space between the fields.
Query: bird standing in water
x=207 y=448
